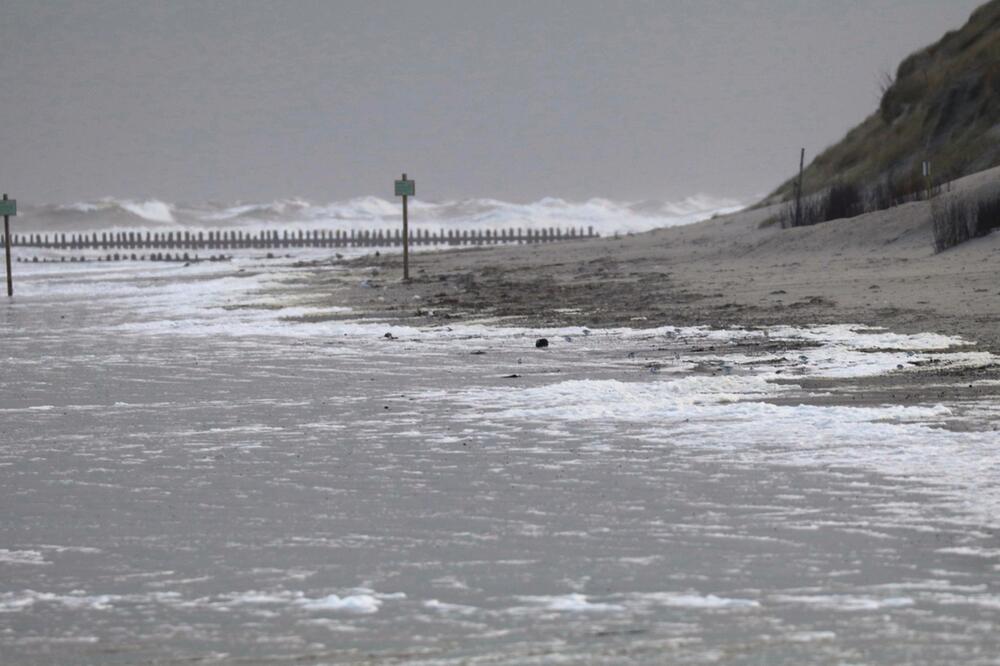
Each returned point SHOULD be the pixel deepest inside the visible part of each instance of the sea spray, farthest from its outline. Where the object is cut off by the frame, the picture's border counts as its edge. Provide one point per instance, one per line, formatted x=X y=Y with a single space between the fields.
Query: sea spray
x=371 y=213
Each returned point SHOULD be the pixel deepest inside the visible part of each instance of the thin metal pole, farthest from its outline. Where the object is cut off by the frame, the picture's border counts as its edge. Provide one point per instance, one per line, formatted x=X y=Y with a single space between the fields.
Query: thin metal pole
x=6 y=244
x=406 y=239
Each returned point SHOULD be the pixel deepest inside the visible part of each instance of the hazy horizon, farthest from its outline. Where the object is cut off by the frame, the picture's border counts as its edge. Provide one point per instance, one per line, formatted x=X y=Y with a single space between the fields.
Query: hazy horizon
x=257 y=101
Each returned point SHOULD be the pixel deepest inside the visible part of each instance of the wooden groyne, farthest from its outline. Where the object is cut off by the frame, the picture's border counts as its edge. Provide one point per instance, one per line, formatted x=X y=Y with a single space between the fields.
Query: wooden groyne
x=272 y=239
x=153 y=256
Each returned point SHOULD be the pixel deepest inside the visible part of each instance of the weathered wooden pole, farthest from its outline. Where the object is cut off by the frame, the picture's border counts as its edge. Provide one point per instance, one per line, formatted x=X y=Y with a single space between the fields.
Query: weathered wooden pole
x=798 y=190
x=406 y=238
x=9 y=207
x=406 y=188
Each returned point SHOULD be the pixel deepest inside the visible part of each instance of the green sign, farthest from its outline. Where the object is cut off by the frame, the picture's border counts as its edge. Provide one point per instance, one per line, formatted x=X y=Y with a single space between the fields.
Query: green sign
x=8 y=207
x=406 y=188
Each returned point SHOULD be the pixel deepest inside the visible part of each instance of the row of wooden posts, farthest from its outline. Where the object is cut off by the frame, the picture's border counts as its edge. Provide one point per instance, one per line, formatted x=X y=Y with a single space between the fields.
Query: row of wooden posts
x=272 y=239
x=123 y=256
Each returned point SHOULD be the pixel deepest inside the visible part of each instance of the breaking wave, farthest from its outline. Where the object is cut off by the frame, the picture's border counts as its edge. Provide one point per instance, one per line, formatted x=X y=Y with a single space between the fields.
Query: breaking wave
x=373 y=213
x=109 y=209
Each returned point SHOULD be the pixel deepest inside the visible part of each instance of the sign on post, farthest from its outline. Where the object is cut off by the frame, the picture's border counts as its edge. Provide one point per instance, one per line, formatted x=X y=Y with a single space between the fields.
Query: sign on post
x=406 y=188
x=8 y=207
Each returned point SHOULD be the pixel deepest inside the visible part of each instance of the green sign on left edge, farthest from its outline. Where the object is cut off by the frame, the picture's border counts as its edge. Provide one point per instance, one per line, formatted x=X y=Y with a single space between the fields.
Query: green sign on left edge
x=406 y=188
x=8 y=207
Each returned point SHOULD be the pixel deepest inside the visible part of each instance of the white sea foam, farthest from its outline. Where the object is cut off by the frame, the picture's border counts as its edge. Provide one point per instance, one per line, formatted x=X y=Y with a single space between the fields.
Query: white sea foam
x=353 y=603
x=731 y=415
x=810 y=636
x=568 y=603
x=637 y=602
x=865 y=337
x=360 y=601
x=985 y=553
x=843 y=602
x=986 y=601
x=11 y=602
x=691 y=600
x=68 y=549
x=444 y=607
x=669 y=401
x=21 y=557
x=586 y=399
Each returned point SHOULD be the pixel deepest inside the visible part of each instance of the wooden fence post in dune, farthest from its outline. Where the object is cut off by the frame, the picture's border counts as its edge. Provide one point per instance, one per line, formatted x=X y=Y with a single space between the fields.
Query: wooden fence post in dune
x=798 y=189
x=406 y=188
x=8 y=207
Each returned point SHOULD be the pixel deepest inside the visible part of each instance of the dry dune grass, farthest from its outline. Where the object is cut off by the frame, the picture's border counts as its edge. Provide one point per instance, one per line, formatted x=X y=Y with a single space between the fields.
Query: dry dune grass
x=964 y=215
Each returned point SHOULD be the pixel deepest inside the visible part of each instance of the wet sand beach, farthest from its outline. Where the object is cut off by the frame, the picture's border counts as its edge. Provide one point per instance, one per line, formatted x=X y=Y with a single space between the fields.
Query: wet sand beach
x=738 y=270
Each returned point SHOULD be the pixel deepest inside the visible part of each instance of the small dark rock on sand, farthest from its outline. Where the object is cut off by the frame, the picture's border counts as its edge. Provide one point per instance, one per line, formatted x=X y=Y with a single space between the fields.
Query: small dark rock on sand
x=541 y=343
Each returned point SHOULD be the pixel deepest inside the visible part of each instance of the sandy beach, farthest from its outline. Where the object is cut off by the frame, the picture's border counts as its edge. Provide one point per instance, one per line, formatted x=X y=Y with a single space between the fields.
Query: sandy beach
x=878 y=269
x=739 y=270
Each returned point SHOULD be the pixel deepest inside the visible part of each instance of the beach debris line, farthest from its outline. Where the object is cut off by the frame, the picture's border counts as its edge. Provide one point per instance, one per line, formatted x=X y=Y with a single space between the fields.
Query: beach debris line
x=8 y=207
x=406 y=188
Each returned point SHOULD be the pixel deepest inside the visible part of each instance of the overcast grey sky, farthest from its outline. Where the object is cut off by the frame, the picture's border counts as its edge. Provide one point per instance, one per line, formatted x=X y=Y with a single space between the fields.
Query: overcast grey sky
x=195 y=101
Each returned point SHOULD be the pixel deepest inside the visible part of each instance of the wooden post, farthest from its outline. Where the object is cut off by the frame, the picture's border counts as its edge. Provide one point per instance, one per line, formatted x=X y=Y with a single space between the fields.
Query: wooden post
x=6 y=247
x=406 y=239
x=798 y=190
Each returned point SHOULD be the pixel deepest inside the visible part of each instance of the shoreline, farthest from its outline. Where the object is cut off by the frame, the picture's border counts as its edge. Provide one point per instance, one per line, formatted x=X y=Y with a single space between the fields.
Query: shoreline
x=734 y=271
x=874 y=270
